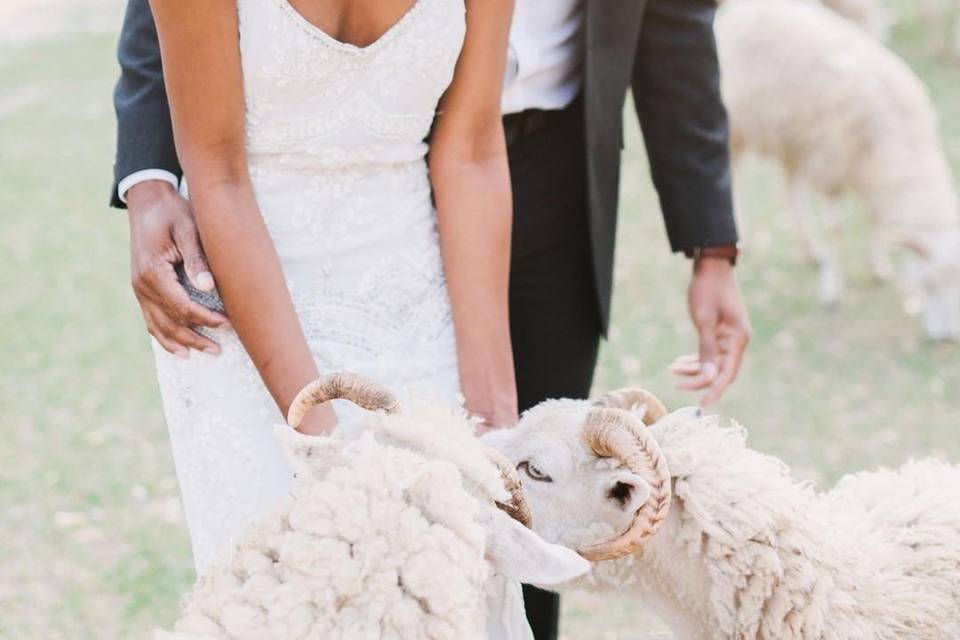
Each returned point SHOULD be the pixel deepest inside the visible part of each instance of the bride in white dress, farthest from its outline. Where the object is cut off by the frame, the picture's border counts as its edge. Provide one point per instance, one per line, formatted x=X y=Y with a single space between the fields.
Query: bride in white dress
x=335 y=243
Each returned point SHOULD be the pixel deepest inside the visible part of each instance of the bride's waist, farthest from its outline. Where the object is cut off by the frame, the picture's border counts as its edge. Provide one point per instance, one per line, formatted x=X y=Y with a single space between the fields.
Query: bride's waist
x=336 y=164
x=367 y=185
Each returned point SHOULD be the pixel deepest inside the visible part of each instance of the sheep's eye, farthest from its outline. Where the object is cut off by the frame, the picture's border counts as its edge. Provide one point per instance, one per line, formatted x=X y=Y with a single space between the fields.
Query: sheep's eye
x=531 y=470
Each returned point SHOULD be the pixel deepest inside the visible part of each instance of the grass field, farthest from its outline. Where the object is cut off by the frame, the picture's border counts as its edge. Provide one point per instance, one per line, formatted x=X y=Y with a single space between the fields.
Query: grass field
x=92 y=541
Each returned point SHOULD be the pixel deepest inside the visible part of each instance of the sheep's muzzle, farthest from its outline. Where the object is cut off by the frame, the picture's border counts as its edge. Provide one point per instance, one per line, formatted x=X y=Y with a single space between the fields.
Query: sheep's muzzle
x=612 y=430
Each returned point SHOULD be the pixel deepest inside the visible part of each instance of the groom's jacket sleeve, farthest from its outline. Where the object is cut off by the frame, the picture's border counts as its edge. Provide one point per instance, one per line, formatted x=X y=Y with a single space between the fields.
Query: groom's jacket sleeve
x=676 y=90
x=144 y=132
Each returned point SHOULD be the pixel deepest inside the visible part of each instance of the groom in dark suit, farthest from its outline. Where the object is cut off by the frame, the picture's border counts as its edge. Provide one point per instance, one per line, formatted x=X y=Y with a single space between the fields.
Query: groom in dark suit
x=569 y=68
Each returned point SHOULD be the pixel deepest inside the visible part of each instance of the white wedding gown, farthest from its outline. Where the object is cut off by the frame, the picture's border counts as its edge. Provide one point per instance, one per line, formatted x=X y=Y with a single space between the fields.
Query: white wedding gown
x=335 y=137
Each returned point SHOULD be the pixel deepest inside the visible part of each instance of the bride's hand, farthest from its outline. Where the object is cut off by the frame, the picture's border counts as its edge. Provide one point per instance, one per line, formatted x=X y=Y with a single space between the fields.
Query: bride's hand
x=496 y=408
x=320 y=421
x=484 y=427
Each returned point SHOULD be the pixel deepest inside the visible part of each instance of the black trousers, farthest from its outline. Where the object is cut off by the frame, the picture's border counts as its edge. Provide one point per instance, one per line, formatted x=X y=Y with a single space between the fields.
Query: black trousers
x=554 y=319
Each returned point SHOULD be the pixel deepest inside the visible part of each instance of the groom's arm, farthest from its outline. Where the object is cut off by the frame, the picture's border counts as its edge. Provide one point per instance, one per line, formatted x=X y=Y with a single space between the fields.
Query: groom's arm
x=145 y=147
x=146 y=176
x=676 y=89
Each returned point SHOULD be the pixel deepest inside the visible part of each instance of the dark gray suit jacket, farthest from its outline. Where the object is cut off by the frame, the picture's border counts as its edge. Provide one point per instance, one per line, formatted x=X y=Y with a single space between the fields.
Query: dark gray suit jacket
x=144 y=132
x=663 y=49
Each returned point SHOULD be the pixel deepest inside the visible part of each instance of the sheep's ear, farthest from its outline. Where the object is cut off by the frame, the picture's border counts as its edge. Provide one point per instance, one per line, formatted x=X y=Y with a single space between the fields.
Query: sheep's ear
x=627 y=491
x=518 y=553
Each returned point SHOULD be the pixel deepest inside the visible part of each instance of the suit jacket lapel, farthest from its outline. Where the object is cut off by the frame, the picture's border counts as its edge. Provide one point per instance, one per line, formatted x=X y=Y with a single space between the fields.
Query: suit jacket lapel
x=612 y=29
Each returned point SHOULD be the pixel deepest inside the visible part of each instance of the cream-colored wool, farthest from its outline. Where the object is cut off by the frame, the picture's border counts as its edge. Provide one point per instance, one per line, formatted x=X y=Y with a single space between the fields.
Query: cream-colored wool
x=356 y=554
x=747 y=552
x=941 y=20
x=841 y=114
x=384 y=539
x=872 y=16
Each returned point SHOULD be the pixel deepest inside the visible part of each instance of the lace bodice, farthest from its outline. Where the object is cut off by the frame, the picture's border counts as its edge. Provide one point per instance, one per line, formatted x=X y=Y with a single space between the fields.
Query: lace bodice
x=315 y=100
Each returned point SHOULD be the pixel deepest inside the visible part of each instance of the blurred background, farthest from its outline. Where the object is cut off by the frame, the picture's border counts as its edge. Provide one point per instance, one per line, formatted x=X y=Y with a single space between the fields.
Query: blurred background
x=92 y=539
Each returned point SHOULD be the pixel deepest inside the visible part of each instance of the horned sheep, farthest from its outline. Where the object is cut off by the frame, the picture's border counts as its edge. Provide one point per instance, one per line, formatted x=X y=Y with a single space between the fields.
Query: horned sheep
x=392 y=533
x=722 y=542
x=842 y=114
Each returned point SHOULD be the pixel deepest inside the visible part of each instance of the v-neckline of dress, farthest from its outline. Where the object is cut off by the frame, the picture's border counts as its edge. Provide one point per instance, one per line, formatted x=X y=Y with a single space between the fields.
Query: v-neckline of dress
x=385 y=37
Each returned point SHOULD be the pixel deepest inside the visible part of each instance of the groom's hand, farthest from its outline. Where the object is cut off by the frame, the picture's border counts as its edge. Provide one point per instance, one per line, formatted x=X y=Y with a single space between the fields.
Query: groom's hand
x=162 y=235
x=720 y=317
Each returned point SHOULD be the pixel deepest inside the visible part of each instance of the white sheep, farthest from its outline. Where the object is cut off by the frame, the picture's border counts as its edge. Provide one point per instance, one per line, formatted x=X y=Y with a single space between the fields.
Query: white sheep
x=842 y=114
x=392 y=534
x=873 y=16
x=723 y=543
x=941 y=21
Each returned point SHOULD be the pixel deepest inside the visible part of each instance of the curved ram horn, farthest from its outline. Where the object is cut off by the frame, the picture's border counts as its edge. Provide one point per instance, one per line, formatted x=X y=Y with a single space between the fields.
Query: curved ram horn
x=616 y=433
x=518 y=508
x=341 y=386
x=631 y=397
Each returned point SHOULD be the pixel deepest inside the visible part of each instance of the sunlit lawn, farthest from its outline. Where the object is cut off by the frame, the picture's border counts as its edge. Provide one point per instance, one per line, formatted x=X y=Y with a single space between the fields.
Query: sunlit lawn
x=92 y=542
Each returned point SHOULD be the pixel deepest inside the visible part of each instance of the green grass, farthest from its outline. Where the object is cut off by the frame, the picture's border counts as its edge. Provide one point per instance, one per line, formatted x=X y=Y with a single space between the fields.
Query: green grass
x=92 y=542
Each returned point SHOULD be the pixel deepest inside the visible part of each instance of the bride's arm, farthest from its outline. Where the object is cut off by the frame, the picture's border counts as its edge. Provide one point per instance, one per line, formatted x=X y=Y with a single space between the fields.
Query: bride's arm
x=471 y=183
x=201 y=63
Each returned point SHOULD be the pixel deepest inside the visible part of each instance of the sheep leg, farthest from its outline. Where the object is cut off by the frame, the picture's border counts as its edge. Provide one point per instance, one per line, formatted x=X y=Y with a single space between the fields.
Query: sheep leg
x=880 y=260
x=800 y=205
x=820 y=248
x=831 y=286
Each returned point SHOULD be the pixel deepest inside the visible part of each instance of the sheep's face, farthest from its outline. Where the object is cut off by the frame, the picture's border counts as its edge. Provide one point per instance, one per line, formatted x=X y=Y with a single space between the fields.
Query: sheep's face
x=932 y=281
x=576 y=498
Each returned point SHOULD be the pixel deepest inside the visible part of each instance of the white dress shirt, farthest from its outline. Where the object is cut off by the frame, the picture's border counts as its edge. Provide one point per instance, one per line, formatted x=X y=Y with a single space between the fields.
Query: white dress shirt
x=545 y=58
x=544 y=66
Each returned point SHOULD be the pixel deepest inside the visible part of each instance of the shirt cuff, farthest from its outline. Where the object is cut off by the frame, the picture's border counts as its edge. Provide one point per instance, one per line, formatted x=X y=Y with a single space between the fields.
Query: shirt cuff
x=136 y=178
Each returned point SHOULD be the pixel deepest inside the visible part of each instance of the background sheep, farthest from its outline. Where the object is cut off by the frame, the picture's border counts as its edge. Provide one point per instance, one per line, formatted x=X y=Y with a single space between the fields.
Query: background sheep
x=723 y=543
x=872 y=16
x=942 y=22
x=841 y=114
x=380 y=540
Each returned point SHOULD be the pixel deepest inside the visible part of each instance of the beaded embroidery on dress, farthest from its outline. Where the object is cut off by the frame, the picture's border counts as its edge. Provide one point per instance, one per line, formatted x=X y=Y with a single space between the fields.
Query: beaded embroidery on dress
x=335 y=137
